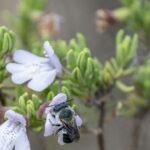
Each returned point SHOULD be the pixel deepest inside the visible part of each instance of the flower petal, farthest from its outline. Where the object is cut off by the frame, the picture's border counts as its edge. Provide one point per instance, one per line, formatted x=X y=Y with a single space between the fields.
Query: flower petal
x=42 y=80
x=78 y=120
x=14 y=68
x=54 y=59
x=22 y=56
x=22 y=142
x=48 y=126
x=59 y=98
x=21 y=77
x=9 y=133
x=13 y=132
x=15 y=117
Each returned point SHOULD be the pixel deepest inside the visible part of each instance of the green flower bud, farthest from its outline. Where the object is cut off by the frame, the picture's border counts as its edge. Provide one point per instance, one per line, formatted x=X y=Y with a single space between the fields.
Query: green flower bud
x=74 y=45
x=76 y=74
x=36 y=101
x=89 y=68
x=71 y=59
x=7 y=40
x=22 y=102
x=124 y=88
x=50 y=95
x=81 y=40
x=107 y=78
x=82 y=60
x=30 y=109
x=66 y=91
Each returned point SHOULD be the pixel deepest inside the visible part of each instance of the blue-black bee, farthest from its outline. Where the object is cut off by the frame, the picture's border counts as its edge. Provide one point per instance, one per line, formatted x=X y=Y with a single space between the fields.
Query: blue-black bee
x=62 y=120
x=69 y=128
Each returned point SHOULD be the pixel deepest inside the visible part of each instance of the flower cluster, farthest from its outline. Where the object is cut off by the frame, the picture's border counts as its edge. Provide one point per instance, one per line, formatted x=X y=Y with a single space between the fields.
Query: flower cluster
x=39 y=73
x=13 y=131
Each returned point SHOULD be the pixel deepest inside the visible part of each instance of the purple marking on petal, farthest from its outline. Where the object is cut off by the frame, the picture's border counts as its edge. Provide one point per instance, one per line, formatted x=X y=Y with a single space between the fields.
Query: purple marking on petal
x=78 y=120
x=54 y=59
x=15 y=117
x=59 y=98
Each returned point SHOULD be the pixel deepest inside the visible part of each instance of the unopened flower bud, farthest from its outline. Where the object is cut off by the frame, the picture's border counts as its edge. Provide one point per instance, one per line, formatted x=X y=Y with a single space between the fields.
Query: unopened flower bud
x=104 y=18
x=49 y=24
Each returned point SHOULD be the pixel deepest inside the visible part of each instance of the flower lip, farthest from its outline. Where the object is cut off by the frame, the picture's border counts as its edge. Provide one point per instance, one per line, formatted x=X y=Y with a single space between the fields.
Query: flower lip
x=54 y=59
x=15 y=117
x=13 y=132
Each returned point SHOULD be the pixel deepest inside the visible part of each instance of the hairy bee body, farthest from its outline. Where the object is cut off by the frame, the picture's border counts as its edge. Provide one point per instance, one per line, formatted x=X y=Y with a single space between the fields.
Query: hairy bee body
x=69 y=129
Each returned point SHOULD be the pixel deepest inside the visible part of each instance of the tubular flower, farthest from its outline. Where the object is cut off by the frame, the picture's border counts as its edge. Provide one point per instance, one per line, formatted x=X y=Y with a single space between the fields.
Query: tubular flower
x=13 y=132
x=39 y=72
x=54 y=124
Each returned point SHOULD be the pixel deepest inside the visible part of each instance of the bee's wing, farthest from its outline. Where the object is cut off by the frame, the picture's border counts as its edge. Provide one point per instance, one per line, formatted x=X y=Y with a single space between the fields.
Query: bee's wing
x=73 y=131
x=76 y=132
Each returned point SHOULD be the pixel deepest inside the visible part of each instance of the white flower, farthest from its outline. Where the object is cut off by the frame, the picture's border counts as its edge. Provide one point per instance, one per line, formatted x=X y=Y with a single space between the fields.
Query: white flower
x=51 y=121
x=13 y=132
x=39 y=72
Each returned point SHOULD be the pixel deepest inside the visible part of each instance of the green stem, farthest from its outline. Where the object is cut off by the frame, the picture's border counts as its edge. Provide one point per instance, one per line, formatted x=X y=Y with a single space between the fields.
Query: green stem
x=101 y=141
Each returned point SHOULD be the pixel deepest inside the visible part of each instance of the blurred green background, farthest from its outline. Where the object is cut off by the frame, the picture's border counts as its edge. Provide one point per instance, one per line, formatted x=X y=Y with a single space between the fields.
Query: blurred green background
x=78 y=16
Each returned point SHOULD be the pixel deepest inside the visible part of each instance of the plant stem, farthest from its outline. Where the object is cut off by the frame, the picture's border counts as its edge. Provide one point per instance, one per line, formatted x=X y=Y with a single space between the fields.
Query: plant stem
x=88 y=130
x=136 y=132
x=100 y=136
x=2 y=112
x=2 y=98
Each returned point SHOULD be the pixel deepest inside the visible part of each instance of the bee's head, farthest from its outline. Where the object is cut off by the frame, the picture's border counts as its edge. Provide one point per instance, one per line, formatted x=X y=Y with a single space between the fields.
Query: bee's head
x=66 y=115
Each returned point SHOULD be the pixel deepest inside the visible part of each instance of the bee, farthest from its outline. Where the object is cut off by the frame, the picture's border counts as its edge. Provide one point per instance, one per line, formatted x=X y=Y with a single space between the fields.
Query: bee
x=61 y=119
x=69 y=125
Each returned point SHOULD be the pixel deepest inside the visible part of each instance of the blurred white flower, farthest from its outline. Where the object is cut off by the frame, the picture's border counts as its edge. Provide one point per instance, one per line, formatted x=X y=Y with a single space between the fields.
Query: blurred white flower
x=13 y=132
x=38 y=71
x=53 y=123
